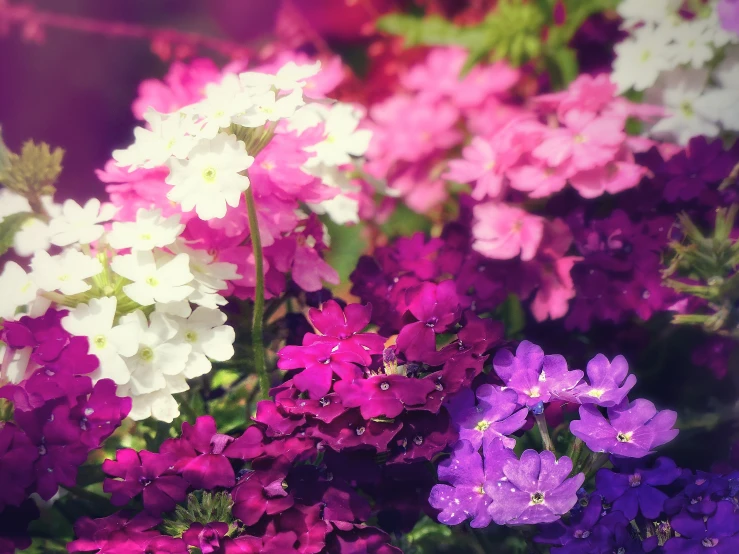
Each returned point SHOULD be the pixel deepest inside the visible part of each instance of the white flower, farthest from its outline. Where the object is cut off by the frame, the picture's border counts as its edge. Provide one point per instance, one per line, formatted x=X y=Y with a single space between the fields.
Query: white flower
x=343 y=140
x=208 y=337
x=180 y=308
x=640 y=59
x=691 y=43
x=149 y=231
x=109 y=342
x=170 y=135
x=78 y=224
x=157 y=356
x=18 y=289
x=269 y=107
x=205 y=269
x=678 y=91
x=719 y=36
x=289 y=77
x=12 y=203
x=650 y=11
x=719 y=104
x=210 y=179
x=342 y=209
x=66 y=272
x=34 y=234
x=222 y=103
x=161 y=279
x=159 y=404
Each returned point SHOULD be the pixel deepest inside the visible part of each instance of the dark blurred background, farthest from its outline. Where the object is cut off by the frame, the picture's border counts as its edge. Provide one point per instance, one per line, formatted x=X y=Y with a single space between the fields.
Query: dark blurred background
x=74 y=88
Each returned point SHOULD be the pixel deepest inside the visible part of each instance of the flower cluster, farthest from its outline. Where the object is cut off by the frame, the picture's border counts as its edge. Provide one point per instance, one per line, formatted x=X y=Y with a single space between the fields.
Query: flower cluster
x=537 y=487
x=58 y=414
x=667 y=55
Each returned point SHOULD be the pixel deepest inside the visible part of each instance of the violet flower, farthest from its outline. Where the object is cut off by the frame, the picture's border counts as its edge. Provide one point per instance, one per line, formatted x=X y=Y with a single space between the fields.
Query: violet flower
x=535 y=489
x=717 y=534
x=610 y=382
x=632 y=429
x=632 y=490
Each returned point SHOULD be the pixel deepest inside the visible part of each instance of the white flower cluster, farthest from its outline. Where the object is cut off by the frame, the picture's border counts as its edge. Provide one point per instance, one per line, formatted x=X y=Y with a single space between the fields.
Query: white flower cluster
x=131 y=296
x=668 y=56
x=207 y=145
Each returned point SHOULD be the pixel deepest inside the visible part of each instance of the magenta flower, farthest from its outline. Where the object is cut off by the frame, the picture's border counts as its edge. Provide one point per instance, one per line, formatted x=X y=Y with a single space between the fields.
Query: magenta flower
x=17 y=455
x=114 y=534
x=101 y=413
x=535 y=489
x=147 y=472
x=343 y=328
x=383 y=395
x=423 y=436
x=351 y=430
x=534 y=376
x=610 y=382
x=259 y=493
x=728 y=12
x=206 y=538
x=503 y=232
x=496 y=414
x=632 y=429
x=319 y=362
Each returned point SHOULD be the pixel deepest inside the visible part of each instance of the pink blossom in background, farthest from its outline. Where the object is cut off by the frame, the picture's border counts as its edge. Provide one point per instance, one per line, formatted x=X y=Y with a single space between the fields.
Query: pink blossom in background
x=503 y=232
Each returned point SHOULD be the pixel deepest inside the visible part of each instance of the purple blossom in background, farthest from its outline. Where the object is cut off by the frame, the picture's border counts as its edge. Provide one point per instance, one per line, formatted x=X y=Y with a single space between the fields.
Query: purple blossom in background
x=717 y=534
x=534 y=376
x=465 y=497
x=700 y=494
x=17 y=455
x=610 y=382
x=728 y=12
x=115 y=534
x=690 y=171
x=632 y=490
x=497 y=414
x=536 y=489
x=147 y=472
x=579 y=535
x=632 y=429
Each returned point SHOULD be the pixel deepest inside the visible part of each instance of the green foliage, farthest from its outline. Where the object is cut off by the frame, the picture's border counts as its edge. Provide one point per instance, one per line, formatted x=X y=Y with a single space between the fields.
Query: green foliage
x=518 y=31
x=9 y=226
x=202 y=507
x=511 y=313
x=347 y=245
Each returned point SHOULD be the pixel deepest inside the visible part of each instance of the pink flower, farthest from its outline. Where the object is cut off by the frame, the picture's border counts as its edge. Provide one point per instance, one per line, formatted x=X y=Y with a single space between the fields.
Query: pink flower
x=503 y=232
x=614 y=177
x=537 y=179
x=484 y=163
x=585 y=142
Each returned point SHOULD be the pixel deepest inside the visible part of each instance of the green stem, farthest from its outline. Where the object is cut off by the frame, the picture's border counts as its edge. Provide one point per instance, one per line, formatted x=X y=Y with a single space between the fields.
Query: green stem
x=541 y=423
x=257 y=338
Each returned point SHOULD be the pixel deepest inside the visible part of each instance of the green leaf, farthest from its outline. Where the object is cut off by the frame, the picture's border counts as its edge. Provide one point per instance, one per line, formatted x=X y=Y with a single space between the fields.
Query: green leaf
x=404 y=222
x=90 y=474
x=347 y=245
x=512 y=314
x=224 y=378
x=4 y=154
x=430 y=31
x=9 y=227
x=564 y=61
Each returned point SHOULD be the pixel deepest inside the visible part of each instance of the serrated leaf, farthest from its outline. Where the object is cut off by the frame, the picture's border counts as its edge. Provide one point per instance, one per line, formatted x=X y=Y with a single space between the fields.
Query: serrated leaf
x=4 y=154
x=9 y=226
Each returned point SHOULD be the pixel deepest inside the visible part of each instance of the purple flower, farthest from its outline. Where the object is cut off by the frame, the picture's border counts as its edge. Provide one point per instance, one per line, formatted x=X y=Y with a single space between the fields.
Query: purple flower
x=14 y=522
x=700 y=494
x=534 y=489
x=360 y=540
x=206 y=538
x=610 y=382
x=146 y=472
x=101 y=413
x=534 y=376
x=581 y=535
x=383 y=395
x=351 y=430
x=497 y=414
x=423 y=436
x=632 y=490
x=465 y=496
x=261 y=492
x=166 y=545
x=631 y=430
x=717 y=534
x=728 y=12
x=17 y=456
x=114 y=534
x=689 y=171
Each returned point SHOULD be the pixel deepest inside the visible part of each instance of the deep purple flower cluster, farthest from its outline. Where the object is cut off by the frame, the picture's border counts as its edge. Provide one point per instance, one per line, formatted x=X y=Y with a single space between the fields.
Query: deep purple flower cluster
x=651 y=506
x=59 y=416
x=537 y=487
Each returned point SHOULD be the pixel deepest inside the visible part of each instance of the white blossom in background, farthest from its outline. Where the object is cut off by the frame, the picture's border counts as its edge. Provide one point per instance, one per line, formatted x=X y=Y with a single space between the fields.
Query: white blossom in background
x=647 y=11
x=211 y=177
x=12 y=203
x=169 y=135
x=641 y=58
x=34 y=233
x=162 y=278
x=289 y=77
x=269 y=107
x=692 y=43
x=209 y=339
x=109 y=342
x=67 y=272
x=18 y=289
x=149 y=231
x=679 y=91
x=80 y=224
x=719 y=103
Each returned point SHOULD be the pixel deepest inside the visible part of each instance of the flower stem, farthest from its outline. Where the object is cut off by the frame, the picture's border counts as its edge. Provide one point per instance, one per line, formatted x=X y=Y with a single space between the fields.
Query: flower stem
x=594 y=462
x=541 y=423
x=257 y=338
